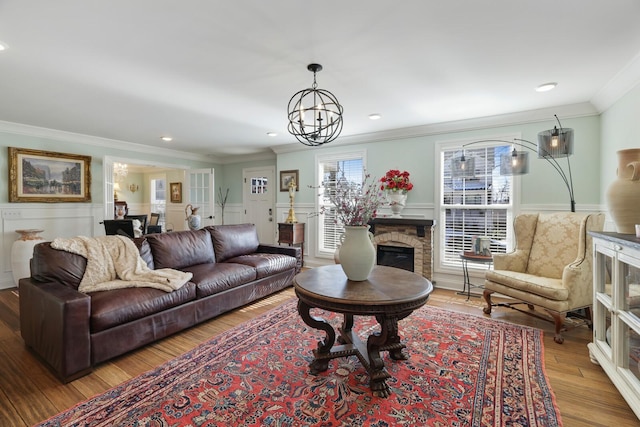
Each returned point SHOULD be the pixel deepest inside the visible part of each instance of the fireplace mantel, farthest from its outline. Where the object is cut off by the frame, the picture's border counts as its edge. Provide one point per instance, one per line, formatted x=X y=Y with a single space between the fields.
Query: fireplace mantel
x=420 y=224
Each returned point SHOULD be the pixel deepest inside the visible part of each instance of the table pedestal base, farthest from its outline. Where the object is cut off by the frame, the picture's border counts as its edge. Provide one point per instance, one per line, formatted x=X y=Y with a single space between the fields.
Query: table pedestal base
x=350 y=344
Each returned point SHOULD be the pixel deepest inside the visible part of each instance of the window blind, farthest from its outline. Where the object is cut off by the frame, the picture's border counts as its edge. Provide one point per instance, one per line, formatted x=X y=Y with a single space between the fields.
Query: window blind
x=476 y=205
x=330 y=169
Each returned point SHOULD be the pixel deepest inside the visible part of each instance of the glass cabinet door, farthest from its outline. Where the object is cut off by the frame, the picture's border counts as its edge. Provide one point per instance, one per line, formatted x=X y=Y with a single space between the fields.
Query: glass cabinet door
x=604 y=275
x=628 y=303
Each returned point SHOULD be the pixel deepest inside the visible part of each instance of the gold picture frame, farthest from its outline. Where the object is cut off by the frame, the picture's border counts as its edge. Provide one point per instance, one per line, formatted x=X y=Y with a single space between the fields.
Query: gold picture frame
x=37 y=176
x=286 y=177
x=175 y=188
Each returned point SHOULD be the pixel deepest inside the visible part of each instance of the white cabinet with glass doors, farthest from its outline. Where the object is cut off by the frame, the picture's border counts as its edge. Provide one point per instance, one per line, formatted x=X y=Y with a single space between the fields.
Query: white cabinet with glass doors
x=616 y=312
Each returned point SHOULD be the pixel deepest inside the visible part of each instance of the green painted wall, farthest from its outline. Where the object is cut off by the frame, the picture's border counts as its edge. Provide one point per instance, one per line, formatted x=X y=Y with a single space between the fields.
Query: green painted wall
x=230 y=177
x=542 y=185
x=97 y=152
x=620 y=129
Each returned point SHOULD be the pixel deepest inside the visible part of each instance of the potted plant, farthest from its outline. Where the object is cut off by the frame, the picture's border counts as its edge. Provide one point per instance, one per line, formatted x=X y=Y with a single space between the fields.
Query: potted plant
x=396 y=185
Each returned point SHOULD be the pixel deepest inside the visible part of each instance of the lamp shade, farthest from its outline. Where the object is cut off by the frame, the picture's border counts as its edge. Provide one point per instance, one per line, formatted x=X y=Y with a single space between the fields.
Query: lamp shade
x=555 y=143
x=514 y=163
x=462 y=167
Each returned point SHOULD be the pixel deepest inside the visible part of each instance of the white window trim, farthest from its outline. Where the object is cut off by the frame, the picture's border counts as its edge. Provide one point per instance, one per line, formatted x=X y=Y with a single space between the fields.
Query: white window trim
x=336 y=156
x=439 y=148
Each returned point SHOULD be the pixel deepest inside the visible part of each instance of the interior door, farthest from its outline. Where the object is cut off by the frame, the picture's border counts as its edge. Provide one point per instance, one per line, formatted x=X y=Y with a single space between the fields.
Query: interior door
x=201 y=194
x=107 y=170
x=259 y=201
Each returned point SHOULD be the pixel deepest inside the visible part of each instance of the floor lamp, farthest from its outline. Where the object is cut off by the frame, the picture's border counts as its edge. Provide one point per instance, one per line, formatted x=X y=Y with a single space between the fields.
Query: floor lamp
x=552 y=144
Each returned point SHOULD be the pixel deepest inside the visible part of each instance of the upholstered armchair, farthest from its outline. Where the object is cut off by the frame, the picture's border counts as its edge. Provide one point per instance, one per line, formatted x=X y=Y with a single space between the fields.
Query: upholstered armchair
x=551 y=266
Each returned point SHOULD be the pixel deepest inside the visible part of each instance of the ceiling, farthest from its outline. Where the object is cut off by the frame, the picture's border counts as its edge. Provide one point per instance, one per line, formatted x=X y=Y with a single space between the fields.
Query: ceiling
x=217 y=75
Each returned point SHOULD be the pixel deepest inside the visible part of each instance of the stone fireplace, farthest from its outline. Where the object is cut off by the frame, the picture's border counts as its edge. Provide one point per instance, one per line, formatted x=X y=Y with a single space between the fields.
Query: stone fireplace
x=407 y=233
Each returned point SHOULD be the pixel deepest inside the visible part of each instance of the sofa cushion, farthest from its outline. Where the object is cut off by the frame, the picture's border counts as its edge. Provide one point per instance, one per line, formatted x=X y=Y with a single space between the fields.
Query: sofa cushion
x=145 y=251
x=265 y=264
x=213 y=278
x=544 y=286
x=180 y=249
x=119 y=306
x=233 y=240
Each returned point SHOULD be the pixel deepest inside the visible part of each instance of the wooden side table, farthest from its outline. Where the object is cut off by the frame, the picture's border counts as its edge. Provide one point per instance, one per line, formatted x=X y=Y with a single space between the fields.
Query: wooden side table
x=292 y=234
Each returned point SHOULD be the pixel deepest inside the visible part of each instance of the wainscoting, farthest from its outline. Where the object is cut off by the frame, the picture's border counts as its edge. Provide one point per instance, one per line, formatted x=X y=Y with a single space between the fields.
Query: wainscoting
x=75 y=219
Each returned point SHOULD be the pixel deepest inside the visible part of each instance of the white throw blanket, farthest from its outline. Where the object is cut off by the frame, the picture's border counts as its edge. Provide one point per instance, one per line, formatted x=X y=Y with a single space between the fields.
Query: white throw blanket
x=114 y=262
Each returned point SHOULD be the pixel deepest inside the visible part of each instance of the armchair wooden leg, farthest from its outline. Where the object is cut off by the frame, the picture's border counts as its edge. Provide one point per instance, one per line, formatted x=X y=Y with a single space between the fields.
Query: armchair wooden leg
x=487 y=297
x=558 y=319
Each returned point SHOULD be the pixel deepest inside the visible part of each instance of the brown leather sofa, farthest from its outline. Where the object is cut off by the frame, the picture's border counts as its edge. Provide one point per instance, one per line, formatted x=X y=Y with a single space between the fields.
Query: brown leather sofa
x=73 y=331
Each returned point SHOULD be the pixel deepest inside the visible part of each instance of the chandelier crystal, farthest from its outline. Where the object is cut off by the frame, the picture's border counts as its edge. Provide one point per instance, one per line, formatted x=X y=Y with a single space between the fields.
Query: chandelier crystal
x=315 y=115
x=120 y=170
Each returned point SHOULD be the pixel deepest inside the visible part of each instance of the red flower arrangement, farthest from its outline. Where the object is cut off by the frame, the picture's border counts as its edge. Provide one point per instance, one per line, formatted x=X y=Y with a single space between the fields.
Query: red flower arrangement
x=396 y=181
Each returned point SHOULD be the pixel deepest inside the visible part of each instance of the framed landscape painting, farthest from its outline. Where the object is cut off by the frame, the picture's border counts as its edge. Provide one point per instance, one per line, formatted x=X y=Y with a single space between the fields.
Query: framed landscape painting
x=45 y=176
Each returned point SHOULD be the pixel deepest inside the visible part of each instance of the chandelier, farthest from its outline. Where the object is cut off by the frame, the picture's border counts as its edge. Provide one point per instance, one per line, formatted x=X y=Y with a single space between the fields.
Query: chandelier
x=120 y=170
x=320 y=121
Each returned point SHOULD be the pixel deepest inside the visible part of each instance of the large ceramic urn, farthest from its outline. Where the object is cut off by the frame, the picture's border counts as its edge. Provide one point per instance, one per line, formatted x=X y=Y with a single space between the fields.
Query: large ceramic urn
x=22 y=252
x=623 y=195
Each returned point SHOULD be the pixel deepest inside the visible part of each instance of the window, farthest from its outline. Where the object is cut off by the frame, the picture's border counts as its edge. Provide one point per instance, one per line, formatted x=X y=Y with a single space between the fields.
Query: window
x=329 y=169
x=480 y=204
x=259 y=185
x=158 y=199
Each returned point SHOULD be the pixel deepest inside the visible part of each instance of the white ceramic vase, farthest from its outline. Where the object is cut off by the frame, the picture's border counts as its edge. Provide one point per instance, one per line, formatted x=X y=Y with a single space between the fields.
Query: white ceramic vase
x=193 y=222
x=357 y=253
x=397 y=201
x=22 y=252
x=193 y=219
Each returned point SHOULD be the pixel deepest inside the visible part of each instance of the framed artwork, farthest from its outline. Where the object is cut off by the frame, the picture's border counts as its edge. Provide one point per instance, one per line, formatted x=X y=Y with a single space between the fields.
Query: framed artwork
x=286 y=177
x=176 y=192
x=45 y=176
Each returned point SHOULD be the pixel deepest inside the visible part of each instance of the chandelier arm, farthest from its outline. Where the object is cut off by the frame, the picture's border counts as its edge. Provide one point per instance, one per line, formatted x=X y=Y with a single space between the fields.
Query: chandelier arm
x=568 y=182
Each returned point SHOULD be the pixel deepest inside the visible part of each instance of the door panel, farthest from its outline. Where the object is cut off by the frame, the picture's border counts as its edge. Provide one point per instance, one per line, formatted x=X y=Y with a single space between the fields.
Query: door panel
x=201 y=194
x=259 y=202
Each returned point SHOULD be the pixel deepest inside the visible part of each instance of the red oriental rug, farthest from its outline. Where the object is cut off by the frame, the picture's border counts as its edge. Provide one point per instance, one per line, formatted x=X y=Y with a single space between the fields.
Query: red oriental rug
x=463 y=370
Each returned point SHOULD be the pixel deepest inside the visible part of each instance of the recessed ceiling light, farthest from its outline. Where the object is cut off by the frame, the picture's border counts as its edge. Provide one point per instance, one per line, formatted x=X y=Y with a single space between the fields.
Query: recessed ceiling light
x=375 y=116
x=272 y=134
x=3 y=46
x=546 y=87
x=166 y=138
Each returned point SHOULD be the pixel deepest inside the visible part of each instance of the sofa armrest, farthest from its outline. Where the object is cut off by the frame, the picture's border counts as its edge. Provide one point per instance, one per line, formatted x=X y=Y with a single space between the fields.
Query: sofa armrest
x=294 y=251
x=54 y=322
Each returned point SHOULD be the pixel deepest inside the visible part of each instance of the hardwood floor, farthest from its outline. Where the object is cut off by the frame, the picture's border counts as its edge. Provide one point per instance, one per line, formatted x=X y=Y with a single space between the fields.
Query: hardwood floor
x=29 y=393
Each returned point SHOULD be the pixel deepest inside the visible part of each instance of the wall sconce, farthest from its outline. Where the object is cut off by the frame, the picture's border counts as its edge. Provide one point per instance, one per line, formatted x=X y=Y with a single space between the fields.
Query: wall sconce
x=133 y=188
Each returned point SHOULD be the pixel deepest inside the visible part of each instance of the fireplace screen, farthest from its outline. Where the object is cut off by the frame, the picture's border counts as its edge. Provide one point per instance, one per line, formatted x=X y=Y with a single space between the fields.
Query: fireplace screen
x=395 y=256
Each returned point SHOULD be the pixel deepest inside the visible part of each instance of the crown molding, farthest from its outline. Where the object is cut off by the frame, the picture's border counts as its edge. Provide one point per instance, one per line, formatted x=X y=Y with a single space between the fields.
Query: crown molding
x=523 y=117
x=238 y=158
x=59 y=135
x=622 y=83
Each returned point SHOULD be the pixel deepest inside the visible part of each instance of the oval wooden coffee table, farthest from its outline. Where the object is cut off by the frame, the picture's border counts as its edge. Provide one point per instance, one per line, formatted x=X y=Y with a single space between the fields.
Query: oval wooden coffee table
x=389 y=294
